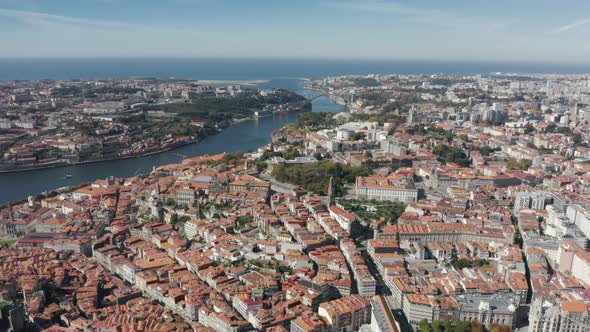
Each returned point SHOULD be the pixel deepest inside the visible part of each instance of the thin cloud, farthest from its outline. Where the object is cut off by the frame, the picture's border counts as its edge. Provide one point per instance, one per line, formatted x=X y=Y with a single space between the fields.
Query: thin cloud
x=574 y=25
x=38 y=18
x=375 y=6
x=424 y=15
x=45 y=19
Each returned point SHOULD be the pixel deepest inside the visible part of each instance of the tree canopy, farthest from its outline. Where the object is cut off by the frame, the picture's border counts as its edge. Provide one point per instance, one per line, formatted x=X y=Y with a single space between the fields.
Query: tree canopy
x=316 y=177
x=523 y=164
x=451 y=154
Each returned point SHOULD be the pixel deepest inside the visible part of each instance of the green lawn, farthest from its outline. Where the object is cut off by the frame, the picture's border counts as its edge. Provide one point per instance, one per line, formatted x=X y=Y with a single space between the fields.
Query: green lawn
x=7 y=243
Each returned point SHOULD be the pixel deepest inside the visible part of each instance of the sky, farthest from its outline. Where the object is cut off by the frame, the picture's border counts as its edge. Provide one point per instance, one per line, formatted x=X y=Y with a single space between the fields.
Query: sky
x=535 y=31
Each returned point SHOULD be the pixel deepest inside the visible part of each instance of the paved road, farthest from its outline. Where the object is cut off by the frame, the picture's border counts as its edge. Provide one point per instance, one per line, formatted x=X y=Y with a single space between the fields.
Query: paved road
x=278 y=186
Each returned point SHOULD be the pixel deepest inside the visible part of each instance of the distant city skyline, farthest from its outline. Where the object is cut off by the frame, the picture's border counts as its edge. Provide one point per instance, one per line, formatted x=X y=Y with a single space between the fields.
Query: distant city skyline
x=503 y=31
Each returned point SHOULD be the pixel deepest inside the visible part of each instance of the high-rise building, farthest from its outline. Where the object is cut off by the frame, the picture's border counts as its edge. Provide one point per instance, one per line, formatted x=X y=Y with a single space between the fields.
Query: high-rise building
x=411 y=115
x=575 y=260
x=580 y=215
x=531 y=200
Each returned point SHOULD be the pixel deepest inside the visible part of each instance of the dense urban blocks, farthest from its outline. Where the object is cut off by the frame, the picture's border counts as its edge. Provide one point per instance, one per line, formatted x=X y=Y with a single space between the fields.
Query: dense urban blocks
x=439 y=203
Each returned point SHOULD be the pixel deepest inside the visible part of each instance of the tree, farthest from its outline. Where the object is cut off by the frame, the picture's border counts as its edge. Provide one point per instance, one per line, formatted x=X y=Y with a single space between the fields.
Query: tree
x=437 y=326
x=318 y=156
x=550 y=128
x=425 y=326
x=451 y=154
x=486 y=150
x=476 y=327
x=522 y=164
x=448 y=326
x=316 y=177
x=463 y=326
x=261 y=165
x=500 y=328
x=358 y=136
x=313 y=121
x=374 y=210
x=174 y=218
x=463 y=263
x=244 y=221
x=577 y=139
x=291 y=153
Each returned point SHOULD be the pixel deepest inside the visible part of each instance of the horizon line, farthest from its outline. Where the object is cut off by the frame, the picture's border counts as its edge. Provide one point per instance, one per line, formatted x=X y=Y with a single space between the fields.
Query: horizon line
x=281 y=58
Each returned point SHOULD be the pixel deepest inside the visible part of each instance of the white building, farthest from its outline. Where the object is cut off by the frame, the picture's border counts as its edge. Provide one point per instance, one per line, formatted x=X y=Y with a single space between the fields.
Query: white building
x=537 y=200
x=386 y=189
x=580 y=215
x=417 y=307
x=345 y=219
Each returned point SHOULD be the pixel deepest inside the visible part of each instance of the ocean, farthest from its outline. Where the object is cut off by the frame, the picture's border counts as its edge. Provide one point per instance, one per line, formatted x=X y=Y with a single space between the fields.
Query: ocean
x=250 y=69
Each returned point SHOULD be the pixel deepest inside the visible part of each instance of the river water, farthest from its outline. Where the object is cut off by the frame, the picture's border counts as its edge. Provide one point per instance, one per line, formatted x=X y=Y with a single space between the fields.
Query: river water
x=244 y=136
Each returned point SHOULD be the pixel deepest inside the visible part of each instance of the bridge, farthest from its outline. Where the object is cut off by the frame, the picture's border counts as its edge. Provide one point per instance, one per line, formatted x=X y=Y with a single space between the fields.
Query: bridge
x=312 y=97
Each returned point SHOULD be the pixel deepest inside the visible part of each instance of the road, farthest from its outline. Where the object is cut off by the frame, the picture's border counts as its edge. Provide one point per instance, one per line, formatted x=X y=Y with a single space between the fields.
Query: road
x=278 y=186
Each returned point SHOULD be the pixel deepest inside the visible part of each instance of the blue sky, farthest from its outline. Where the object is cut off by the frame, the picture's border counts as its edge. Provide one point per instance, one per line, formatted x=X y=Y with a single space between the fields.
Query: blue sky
x=548 y=31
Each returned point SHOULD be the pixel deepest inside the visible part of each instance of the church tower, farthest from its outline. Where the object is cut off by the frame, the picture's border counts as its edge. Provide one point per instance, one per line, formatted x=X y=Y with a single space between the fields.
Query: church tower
x=331 y=198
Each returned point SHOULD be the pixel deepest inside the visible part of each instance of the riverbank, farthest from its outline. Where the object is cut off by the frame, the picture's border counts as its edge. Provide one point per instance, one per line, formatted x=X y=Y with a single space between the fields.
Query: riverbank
x=159 y=151
x=65 y=164
x=245 y=135
x=231 y=82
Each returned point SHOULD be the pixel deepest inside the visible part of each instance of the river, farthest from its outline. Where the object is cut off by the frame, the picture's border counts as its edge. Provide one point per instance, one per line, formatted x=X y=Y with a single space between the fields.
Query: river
x=243 y=136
